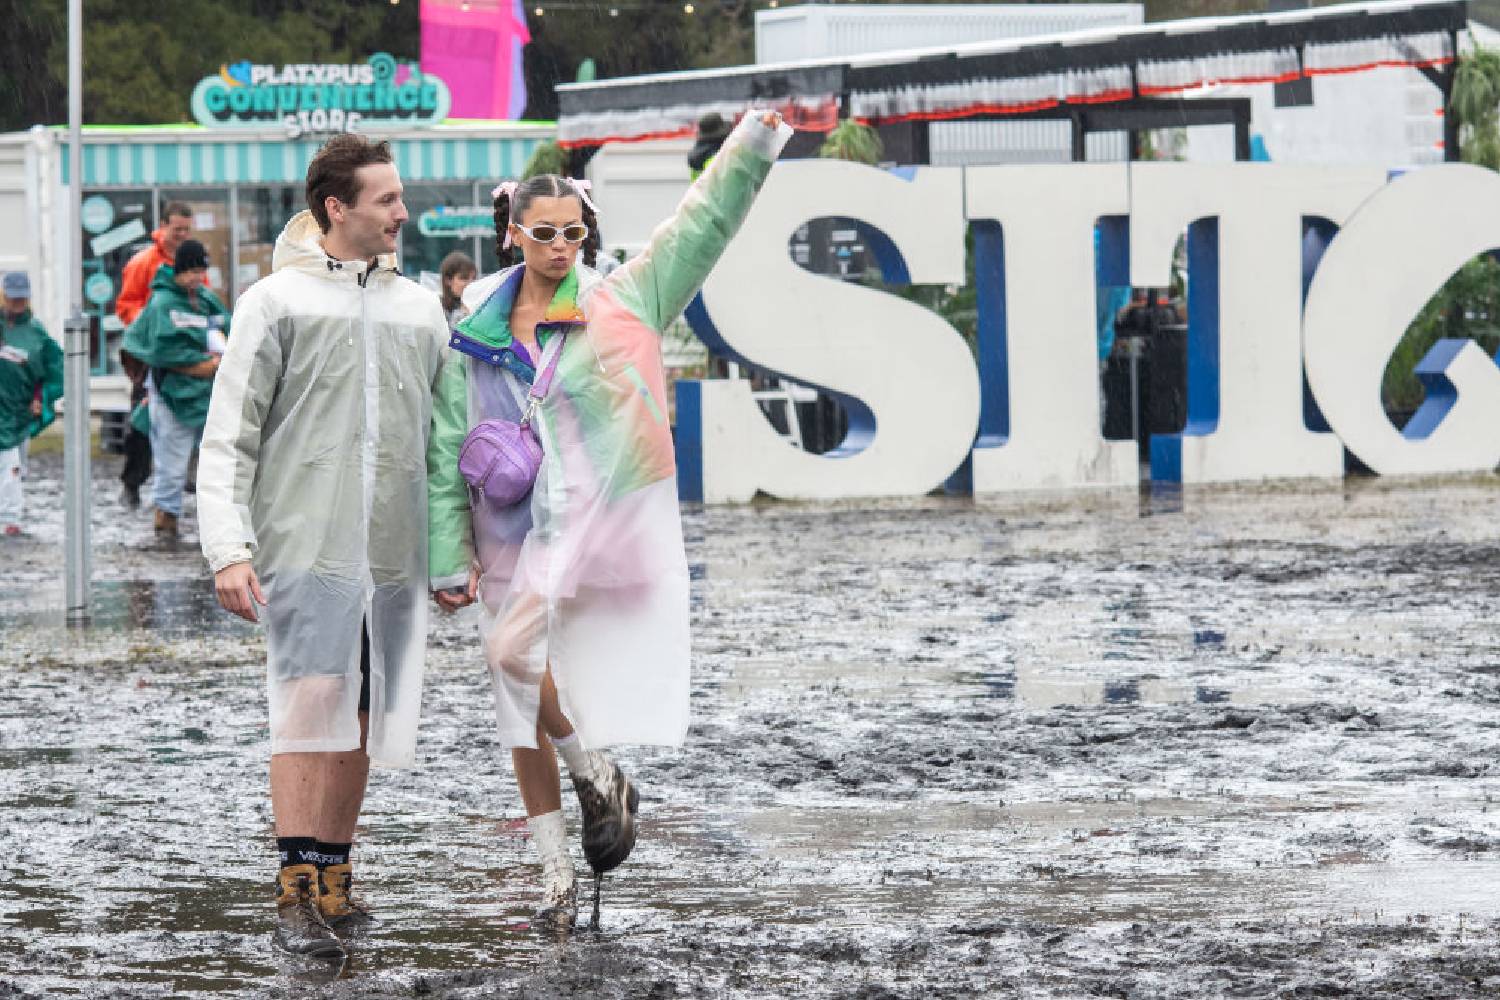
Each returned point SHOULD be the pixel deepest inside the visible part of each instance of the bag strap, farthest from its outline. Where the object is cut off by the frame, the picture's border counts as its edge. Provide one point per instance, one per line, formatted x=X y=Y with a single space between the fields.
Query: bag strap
x=543 y=381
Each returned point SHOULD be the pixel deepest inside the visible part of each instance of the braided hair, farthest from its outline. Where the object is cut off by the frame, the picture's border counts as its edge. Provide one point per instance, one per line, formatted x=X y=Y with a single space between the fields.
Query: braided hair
x=540 y=186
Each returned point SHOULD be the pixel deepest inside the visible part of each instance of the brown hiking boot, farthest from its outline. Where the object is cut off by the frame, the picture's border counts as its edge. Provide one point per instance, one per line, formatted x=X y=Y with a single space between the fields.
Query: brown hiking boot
x=300 y=928
x=166 y=524
x=339 y=910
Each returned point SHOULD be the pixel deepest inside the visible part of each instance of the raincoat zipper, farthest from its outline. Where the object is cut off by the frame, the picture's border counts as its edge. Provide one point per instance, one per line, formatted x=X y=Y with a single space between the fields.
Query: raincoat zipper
x=372 y=424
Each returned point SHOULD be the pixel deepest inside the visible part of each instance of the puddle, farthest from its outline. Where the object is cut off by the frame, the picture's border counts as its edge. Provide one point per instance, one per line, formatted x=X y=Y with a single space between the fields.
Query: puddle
x=1158 y=498
x=1037 y=689
x=1030 y=746
x=167 y=606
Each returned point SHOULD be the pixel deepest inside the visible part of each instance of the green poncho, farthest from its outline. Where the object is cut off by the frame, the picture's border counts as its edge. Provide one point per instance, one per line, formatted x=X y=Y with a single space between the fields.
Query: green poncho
x=172 y=332
x=30 y=360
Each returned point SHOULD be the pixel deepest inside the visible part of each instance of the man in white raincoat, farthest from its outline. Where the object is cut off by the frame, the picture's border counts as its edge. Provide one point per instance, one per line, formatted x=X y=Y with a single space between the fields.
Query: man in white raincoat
x=312 y=501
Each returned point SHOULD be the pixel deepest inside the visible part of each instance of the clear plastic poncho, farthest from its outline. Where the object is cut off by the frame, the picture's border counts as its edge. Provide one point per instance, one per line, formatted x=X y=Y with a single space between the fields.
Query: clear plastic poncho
x=313 y=466
x=588 y=575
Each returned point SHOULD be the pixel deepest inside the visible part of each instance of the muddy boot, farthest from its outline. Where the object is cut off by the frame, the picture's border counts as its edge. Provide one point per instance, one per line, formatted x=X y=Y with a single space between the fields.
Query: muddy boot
x=559 y=907
x=608 y=802
x=335 y=903
x=300 y=928
x=166 y=524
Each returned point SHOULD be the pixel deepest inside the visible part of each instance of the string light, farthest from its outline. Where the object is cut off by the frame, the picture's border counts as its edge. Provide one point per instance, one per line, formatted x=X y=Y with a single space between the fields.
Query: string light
x=614 y=8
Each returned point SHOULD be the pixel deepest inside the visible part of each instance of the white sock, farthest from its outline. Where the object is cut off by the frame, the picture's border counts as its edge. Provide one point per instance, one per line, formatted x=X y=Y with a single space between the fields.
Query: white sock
x=574 y=755
x=549 y=835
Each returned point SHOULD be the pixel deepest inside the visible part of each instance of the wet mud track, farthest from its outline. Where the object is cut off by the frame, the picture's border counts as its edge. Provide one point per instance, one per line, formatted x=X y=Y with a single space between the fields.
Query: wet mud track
x=1230 y=742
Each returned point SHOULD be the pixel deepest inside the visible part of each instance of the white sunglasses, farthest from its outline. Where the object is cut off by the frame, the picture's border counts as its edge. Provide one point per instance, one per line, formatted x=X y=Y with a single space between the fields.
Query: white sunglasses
x=574 y=233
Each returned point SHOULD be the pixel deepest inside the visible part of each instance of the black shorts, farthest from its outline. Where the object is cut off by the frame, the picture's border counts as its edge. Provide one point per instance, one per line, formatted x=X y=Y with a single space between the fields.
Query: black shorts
x=364 y=667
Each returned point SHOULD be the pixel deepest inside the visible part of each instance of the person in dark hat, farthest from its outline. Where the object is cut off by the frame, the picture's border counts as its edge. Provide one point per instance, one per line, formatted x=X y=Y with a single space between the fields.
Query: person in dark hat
x=31 y=382
x=180 y=337
x=712 y=131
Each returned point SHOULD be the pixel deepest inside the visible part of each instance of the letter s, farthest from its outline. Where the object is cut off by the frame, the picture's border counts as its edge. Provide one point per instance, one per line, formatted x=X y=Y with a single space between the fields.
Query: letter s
x=907 y=379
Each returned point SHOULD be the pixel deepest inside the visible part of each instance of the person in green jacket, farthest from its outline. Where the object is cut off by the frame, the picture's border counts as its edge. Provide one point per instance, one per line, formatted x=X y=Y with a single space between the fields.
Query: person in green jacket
x=583 y=583
x=180 y=337
x=31 y=383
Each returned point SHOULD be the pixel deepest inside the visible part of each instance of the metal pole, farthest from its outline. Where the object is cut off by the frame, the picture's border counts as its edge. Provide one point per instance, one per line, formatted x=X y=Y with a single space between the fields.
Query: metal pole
x=1452 y=151
x=77 y=477
x=1135 y=390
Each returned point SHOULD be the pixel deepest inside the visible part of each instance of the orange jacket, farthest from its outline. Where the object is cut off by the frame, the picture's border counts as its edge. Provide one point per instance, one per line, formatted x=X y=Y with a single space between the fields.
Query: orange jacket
x=135 y=283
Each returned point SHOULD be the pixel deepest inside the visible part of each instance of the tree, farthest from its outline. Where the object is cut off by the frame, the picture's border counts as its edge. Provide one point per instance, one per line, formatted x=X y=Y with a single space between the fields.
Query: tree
x=1468 y=305
x=636 y=39
x=853 y=141
x=547 y=158
x=29 y=93
x=1476 y=105
x=142 y=59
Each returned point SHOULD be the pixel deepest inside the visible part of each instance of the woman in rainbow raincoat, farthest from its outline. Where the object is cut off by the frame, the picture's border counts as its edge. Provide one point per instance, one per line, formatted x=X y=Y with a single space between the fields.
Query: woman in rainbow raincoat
x=584 y=583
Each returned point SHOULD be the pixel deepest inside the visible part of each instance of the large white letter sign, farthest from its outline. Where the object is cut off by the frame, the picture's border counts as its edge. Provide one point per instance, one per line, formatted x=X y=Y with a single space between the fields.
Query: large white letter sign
x=1377 y=274
x=1039 y=340
x=905 y=366
x=1244 y=303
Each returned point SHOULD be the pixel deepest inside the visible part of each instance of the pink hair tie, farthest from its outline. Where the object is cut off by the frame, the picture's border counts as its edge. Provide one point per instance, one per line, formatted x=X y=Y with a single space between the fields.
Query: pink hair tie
x=582 y=187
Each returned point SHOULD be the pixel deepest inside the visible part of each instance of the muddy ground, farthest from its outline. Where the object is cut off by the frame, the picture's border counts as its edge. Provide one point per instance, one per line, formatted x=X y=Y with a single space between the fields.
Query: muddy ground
x=1229 y=742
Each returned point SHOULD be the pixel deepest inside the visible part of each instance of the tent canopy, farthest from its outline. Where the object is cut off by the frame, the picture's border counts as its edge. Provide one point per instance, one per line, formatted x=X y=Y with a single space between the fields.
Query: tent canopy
x=1019 y=76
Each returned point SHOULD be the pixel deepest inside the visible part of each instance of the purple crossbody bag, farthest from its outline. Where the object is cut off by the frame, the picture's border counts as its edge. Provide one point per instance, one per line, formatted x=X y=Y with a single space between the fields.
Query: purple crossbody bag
x=500 y=458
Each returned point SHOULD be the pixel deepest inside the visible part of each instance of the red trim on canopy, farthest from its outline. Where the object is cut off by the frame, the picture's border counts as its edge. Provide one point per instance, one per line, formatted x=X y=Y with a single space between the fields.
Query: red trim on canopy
x=686 y=132
x=1382 y=64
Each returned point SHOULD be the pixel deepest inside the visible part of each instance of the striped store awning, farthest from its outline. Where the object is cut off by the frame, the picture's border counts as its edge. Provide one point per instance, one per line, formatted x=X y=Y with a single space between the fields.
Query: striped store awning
x=142 y=158
x=1024 y=75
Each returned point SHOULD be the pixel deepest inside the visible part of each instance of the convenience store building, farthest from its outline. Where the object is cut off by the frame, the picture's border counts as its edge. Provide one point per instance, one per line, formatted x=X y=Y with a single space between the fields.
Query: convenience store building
x=242 y=175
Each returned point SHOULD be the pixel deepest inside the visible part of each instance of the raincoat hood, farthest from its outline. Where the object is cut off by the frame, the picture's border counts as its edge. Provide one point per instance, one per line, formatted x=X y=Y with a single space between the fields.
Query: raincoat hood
x=300 y=247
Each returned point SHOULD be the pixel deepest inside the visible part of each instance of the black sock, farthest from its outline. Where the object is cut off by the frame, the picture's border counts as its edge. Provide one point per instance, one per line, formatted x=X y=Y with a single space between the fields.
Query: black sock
x=331 y=854
x=296 y=850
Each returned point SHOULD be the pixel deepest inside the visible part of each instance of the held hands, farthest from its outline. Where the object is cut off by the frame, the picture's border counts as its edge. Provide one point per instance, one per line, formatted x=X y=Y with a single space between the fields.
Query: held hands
x=771 y=119
x=453 y=598
x=238 y=590
x=207 y=368
x=36 y=407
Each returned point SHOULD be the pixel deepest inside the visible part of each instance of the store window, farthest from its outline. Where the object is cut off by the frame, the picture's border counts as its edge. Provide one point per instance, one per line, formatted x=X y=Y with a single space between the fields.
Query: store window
x=211 y=227
x=421 y=255
x=116 y=225
x=262 y=213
